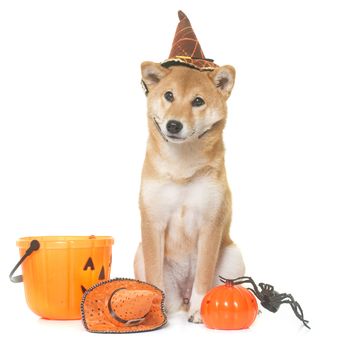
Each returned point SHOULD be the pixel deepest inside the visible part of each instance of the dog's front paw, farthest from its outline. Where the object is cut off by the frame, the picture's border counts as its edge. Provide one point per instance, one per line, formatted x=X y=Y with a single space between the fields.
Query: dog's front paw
x=195 y=317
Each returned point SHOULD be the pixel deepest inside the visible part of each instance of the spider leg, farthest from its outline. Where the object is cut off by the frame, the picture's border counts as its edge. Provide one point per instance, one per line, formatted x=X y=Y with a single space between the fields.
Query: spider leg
x=296 y=308
x=298 y=311
x=255 y=293
x=267 y=287
x=238 y=280
x=245 y=279
x=278 y=297
x=241 y=280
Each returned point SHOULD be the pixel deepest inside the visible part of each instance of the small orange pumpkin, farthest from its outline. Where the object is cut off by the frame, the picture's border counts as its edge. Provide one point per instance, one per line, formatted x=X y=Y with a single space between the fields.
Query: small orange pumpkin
x=229 y=306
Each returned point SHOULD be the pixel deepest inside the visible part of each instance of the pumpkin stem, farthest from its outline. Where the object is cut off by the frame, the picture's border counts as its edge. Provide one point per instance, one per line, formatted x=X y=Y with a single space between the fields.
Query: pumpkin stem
x=227 y=281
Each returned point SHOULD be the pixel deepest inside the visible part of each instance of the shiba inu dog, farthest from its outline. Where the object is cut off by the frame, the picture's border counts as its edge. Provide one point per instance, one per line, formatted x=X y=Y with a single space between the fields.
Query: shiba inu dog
x=185 y=200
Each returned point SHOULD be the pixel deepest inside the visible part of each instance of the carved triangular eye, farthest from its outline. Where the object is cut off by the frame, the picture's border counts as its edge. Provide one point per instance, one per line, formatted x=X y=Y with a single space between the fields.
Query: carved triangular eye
x=102 y=276
x=90 y=264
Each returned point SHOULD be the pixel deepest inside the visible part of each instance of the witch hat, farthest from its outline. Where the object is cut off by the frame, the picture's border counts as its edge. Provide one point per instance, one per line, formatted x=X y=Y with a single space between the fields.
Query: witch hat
x=186 y=50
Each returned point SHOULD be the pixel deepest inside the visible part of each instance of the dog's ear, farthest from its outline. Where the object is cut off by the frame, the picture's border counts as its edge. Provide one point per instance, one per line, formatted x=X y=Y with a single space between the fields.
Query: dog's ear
x=224 y=79
x=152 y=73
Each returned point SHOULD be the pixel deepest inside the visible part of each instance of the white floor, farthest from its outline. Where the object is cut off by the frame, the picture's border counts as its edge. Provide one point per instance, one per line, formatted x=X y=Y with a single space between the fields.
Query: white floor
x=21 y=328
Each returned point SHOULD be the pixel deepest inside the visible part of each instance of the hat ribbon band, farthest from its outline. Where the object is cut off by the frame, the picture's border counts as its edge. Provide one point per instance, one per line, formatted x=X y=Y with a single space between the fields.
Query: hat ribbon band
x=194 y=58
x=134 y=322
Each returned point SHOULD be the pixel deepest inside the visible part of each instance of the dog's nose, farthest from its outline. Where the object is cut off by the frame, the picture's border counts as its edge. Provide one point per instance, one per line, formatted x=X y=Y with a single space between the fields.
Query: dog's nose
x=174 y=127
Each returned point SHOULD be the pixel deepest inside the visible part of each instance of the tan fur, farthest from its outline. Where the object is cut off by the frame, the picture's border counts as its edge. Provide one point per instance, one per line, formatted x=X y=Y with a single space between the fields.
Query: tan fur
x=190 y=167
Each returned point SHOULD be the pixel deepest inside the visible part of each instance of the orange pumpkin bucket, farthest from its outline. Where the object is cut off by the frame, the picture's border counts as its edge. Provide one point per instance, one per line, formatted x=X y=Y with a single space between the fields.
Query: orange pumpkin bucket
x=57 y=270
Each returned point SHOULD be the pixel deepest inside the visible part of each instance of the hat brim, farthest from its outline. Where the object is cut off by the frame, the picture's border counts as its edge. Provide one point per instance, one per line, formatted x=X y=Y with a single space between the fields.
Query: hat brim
x=95 y=314
x=199 y=64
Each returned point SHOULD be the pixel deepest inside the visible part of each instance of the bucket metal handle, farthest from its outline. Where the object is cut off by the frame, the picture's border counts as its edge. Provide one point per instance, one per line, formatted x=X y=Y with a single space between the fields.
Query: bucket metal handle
x=34 y=245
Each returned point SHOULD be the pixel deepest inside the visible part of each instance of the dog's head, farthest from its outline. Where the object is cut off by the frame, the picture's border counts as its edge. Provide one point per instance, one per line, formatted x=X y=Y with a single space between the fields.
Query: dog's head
x=185 y=103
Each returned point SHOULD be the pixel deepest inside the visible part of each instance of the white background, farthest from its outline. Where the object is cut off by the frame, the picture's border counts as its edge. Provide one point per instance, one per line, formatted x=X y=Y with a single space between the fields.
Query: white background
x=73 y=135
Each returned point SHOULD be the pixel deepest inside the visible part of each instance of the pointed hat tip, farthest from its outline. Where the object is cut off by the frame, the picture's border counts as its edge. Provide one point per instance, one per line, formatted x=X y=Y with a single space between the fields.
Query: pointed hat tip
x=181 y=15
x=186 y=49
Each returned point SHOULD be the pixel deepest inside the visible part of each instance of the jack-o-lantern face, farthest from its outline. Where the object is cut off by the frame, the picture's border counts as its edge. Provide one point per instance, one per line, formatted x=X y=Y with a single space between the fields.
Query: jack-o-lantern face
x=102 y=273
x=57 y=274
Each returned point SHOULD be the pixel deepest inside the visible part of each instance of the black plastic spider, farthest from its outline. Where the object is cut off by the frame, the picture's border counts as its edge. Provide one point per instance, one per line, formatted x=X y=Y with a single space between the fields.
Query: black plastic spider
x=270 y=299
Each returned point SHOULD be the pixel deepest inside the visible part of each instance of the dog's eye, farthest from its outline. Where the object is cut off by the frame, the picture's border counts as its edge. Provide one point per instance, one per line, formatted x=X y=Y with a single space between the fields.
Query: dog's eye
x=169 y=96
x=197 y=102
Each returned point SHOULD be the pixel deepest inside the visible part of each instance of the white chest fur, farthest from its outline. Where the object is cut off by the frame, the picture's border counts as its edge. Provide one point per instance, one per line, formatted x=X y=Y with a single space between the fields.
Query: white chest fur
x=181 y=210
